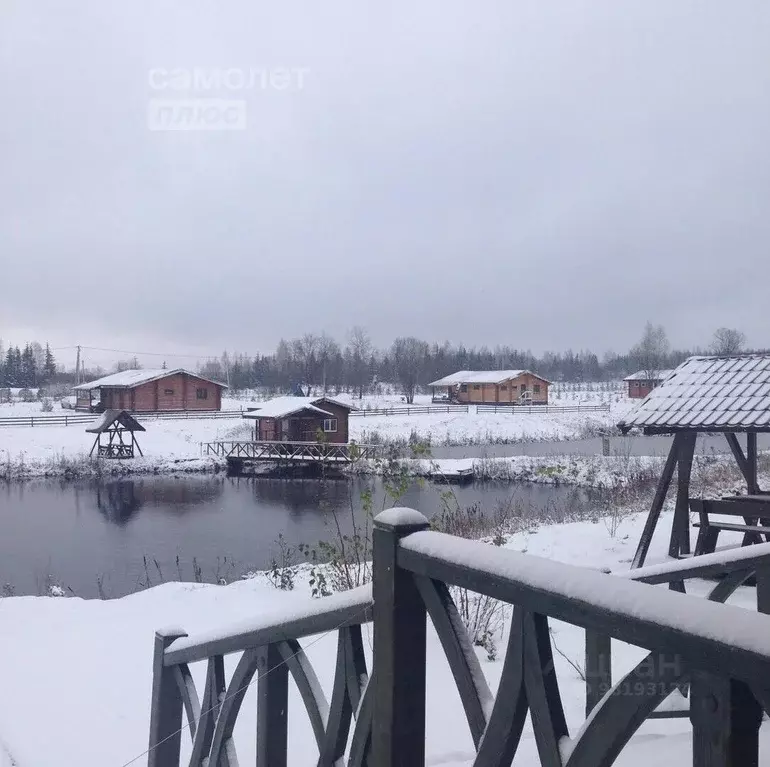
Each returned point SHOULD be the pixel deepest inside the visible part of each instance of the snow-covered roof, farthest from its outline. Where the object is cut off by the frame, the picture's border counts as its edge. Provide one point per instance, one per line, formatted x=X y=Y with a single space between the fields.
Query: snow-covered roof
x=128 y=379
x=482 y=377
x=281 y=407
x=644 y=375
x=108 y=417
x=708 y=394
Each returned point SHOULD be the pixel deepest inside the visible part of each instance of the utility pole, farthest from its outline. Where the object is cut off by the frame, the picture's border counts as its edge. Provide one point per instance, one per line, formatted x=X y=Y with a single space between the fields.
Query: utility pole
x=77 y=368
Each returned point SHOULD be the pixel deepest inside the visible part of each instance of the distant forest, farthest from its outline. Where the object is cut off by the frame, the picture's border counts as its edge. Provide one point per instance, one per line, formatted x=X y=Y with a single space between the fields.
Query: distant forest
x=321 y=362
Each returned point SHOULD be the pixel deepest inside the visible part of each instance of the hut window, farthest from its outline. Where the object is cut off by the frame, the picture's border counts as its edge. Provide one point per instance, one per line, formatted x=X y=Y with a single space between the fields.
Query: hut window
x=476 y=386
x=330 y=424
x=201 y=393
x=464 y=387
x=168 y=392
x=524 y=387
x=537 y=388
x=503 y=387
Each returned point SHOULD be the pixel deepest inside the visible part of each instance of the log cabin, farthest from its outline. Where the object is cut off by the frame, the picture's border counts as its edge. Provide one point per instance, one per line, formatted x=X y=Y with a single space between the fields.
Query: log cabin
x=641 y=383
x=301 y=419
x=495 y=386
x=144 y=391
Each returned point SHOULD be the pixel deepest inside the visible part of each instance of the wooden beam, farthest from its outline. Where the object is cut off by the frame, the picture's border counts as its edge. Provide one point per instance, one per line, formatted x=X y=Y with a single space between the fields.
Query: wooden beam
x=740 y=458
x=751 y=462
x=657 y=503
x=680 y=529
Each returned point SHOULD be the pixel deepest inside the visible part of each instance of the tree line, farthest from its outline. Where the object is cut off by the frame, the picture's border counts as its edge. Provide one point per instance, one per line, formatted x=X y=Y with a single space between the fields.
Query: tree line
x=27 y=368
x=318 y=362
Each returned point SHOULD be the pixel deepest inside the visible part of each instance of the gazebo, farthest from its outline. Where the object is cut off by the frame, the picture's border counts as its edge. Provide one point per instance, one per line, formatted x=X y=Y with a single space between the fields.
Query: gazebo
x=728 y=395
x=115 y=424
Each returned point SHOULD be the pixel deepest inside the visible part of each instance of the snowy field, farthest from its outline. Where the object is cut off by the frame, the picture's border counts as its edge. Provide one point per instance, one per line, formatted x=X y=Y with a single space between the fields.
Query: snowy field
x=175 y=445
x=76 y=675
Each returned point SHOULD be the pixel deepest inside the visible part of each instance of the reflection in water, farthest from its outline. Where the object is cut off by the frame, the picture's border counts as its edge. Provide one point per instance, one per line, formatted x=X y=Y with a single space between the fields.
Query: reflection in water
x=121 y=500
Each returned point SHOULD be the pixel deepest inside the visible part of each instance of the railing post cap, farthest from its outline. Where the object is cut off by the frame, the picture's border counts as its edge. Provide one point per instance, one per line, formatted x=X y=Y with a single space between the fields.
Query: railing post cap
x=401 y=520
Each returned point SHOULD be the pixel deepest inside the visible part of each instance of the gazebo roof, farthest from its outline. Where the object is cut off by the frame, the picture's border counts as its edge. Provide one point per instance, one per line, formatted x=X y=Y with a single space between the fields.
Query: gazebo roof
x=730 y=394
x=109 y=417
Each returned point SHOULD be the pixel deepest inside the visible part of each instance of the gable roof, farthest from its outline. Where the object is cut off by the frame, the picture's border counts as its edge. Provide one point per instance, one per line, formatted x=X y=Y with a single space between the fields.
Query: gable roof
x=644 y=375
x=281 y=407
x=128 y=379
x=482 y=377
x=108 y=417
x=708 y=394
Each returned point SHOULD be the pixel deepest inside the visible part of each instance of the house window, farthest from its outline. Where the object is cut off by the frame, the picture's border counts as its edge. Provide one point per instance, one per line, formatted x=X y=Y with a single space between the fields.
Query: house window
x=464 y=387
x=201 y=393
x=537 y=388
x=330 y=424
x=503 y=387
x=168 y=392
x=476 y=386
x=524 y=387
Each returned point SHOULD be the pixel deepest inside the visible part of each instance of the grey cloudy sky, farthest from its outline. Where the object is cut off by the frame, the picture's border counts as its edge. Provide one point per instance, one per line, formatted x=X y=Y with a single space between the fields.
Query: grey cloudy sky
x=546 y=175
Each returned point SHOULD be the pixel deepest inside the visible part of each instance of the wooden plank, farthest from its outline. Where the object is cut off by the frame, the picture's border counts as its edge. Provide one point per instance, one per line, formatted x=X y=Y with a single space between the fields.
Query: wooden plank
x=751 y=461
x=657 y=504
x=272 y=709
x=598 y=667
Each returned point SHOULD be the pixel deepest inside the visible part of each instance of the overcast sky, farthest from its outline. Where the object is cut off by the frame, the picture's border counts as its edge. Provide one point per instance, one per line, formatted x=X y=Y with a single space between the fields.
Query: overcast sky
x=542 y=174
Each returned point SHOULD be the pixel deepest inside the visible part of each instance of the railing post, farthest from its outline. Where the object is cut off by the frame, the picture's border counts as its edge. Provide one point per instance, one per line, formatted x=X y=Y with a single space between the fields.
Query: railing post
x=598 y=668
x=398 y=724
x=165 y=706
x=272 y=709
x=725 y=722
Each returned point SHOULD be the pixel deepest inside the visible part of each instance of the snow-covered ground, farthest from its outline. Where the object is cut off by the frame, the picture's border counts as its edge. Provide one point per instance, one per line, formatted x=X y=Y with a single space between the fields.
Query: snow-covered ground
x=175 y=445
x=76 y=675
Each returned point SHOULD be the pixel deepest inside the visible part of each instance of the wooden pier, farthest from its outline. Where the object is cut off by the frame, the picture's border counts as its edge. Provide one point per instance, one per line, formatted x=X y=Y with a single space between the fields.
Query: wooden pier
x=239 y=453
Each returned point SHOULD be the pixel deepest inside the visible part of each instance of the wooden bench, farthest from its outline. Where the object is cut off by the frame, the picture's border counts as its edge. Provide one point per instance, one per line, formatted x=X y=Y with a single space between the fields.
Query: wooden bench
x=754 y=510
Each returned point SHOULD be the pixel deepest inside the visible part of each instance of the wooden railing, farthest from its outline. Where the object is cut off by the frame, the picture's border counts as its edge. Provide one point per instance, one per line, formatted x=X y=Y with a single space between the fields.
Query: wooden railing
x=410 y=410
x=291 y=451
x=530 y=409
x=732 y=567
x=723 y=652
x=76 y=418
x=270 y=651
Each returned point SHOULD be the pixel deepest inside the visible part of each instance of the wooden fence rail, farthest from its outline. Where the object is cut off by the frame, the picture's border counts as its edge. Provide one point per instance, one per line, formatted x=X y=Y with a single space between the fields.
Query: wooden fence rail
x=410 y=410
x=291 y=451
x=535 y=409
x=77 y=418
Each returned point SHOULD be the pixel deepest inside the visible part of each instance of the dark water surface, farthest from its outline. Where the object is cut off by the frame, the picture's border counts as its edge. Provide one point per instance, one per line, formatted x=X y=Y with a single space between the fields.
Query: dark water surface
x=79 y=533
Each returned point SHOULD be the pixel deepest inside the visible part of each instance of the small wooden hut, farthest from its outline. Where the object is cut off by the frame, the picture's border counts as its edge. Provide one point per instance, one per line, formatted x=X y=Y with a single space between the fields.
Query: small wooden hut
x=115 y=434
x=728 y=395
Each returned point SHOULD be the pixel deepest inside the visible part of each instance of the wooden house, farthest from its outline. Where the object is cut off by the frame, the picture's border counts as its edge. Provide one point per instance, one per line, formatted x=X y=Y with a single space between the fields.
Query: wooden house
x=301 y=419
x=517 y=387
x=143 y=391
x=641 y=383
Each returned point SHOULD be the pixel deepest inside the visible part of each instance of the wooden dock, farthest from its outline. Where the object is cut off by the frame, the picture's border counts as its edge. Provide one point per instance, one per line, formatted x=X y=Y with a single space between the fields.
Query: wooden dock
x=239 y=453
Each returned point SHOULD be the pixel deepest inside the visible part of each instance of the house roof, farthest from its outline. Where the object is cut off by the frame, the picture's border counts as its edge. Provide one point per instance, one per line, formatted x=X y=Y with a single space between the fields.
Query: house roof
x=128 y=379
x=281 y=407
x=482 y=377
x=108 y=417
x=644 y=375
x=708 y=394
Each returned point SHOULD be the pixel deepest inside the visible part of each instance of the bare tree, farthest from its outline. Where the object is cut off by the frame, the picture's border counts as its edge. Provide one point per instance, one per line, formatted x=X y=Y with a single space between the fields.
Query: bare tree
x=327 y=349
x=650 y=353
x=408 y=360
x=358 y=352
x=728 y=341
x=305 y=350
